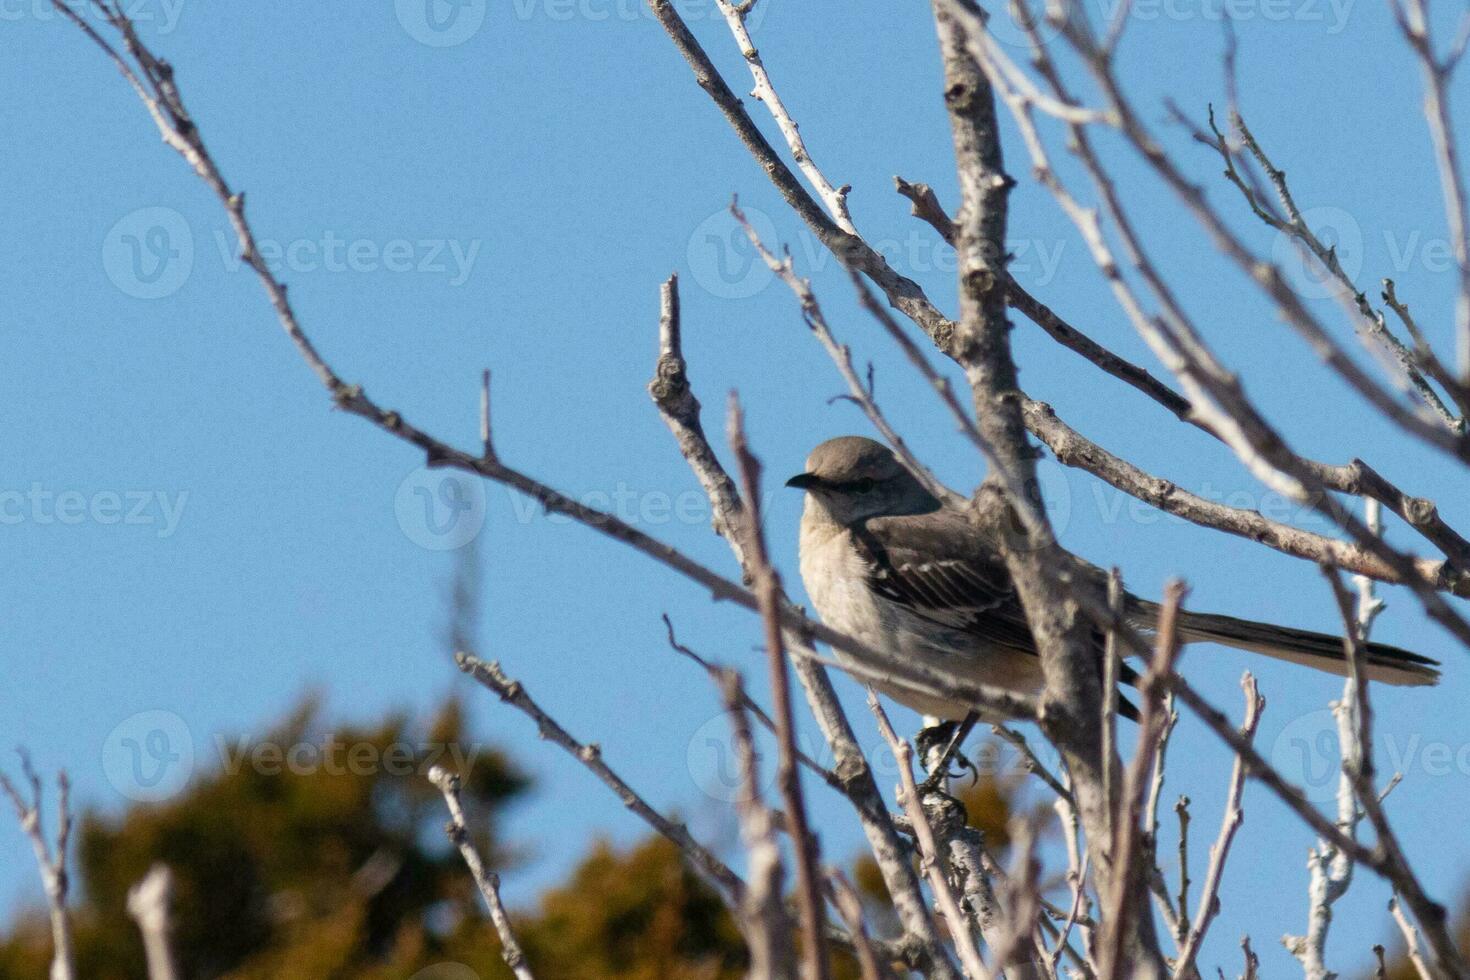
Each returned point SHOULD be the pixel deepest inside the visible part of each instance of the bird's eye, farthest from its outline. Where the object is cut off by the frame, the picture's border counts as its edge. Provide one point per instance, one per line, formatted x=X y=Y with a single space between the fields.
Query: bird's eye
x=864 y=485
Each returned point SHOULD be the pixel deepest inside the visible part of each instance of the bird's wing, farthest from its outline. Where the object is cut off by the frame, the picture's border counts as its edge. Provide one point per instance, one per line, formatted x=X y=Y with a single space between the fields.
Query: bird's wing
x=940 y=568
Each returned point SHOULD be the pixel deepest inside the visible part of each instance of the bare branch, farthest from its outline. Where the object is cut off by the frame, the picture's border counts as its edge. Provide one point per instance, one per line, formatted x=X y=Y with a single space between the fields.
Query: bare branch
x=1356 y=478
x=929 y=854
x=711 y=868
x=488 y=446
x=1209 y=902
x=149 y=904
x=1295 y=226
x=1412 y=17
x=788 y=776
x=1073 y=449
x=762 y=911
x=1032 y=762
x=850 y=249
x=835 y=198
x=1213 y=389
x=1072 y=694
x=1411 y=941
x=1123 y=898
x=811 y=313
x=51 y=864
x=750 y=704
x=851 y=908
x=680 y=410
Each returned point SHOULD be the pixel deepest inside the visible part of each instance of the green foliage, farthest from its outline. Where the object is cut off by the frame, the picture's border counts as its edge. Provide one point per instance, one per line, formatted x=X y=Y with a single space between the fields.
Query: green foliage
x=309 y=852
x=637 y=915
x=339 y=868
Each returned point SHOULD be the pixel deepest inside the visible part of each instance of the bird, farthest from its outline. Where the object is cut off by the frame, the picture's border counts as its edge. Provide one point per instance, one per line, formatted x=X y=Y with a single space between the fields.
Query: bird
x=887 y=562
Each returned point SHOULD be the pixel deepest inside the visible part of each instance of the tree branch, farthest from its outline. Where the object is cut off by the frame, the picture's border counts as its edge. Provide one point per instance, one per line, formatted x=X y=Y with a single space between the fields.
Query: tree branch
x=788 y=776
x=487 y=881
x=149 y=904
x=51 y=864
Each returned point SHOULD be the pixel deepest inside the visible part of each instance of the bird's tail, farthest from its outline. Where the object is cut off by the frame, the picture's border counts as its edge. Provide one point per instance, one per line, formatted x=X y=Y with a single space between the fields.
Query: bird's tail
x=1388 y=664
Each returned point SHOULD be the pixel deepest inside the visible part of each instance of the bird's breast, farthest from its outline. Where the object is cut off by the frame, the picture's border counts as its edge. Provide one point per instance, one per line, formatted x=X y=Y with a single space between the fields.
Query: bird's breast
x=836 y=580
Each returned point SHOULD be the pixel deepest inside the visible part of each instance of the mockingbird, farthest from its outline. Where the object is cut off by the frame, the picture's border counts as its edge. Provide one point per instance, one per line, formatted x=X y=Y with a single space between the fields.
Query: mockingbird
x=888 y=563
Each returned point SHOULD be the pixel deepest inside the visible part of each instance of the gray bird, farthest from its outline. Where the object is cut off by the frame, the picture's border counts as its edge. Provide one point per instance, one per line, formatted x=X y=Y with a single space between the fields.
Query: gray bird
x=889 y=564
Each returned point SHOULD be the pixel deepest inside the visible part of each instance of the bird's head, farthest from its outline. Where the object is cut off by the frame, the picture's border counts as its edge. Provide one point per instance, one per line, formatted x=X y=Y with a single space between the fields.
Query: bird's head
x=850 y=479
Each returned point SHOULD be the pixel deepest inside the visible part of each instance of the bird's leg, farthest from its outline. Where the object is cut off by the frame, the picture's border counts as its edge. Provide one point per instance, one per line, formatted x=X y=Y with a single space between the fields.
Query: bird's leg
x=950 y=736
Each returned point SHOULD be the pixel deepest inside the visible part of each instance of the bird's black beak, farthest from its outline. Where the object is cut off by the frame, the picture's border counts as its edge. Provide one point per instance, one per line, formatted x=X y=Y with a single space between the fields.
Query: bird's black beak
x=803 y=481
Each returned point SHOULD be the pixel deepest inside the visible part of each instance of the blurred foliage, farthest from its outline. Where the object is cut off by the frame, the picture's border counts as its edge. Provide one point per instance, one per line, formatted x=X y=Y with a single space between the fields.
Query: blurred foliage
x=309 y=852
x=335 y=865
x=319 y=853
x=639 y=915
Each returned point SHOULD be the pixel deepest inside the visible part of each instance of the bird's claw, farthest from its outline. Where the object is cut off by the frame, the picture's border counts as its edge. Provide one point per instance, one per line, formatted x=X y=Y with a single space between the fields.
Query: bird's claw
x=941 y=744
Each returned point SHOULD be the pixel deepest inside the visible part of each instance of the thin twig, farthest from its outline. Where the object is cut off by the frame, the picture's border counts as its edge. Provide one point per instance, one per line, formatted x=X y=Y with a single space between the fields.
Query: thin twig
x=762 y=912
x=149 y=904
x=1234 y=816
x=1124 y=901
x=680 y=409
x=835 y=198
x=1412 y=17
x=788 y=776
x=750 y=704
x=1297 y=229
x=51 y=864
x=513 y=693
x=841 y=356
x=487 y=881
x=1411 y=941
x=929 y=854
x=850 y=907
x=488 y=446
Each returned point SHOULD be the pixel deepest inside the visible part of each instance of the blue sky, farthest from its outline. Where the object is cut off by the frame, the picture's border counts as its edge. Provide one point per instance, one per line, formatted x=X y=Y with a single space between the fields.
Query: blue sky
x=193 y=537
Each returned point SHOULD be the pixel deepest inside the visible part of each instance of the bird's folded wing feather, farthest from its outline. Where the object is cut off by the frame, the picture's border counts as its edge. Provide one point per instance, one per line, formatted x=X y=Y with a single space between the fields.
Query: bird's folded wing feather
x=940 y=568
